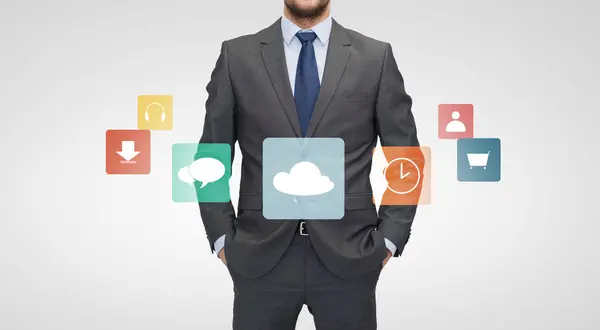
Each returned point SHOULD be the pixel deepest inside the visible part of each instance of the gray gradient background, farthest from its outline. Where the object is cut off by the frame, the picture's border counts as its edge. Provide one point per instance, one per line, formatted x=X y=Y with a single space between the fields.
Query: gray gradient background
x=83 y=250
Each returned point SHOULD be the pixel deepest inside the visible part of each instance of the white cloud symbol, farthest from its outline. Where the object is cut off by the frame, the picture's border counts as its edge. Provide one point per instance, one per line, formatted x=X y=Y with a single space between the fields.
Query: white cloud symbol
x=304 y=179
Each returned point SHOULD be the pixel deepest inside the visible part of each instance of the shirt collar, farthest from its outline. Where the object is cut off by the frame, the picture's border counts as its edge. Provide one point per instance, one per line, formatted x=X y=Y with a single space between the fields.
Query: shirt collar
x=323 y=30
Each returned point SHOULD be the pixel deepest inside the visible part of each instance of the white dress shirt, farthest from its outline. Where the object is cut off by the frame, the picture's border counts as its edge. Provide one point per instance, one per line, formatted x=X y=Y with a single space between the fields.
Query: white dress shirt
x=292 y=47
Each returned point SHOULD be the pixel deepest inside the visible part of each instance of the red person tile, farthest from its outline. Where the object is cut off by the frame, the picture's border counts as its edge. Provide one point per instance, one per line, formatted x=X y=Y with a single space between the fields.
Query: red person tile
x=455 y=121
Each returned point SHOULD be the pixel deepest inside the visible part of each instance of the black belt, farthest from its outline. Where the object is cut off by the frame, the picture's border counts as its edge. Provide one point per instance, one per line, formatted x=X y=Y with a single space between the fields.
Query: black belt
x=302 y=228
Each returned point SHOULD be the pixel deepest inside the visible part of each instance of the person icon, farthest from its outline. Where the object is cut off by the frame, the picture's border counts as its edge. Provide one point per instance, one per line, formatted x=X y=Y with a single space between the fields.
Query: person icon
x=456 y=126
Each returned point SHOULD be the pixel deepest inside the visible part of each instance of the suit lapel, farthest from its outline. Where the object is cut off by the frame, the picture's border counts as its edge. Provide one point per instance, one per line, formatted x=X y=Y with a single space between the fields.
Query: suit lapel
x=338 y=54
x=274 y=59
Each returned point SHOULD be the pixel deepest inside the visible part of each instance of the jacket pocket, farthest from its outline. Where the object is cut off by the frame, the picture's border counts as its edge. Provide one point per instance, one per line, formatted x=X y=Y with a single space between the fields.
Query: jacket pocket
x=359 y=201
x=250 y=201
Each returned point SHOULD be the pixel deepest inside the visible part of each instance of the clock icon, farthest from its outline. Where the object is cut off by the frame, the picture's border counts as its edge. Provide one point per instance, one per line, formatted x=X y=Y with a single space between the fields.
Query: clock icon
x=404 y=175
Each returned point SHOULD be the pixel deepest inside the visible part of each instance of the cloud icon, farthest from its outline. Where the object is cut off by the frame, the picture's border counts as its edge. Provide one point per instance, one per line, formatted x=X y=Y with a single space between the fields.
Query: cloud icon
x=304 y=179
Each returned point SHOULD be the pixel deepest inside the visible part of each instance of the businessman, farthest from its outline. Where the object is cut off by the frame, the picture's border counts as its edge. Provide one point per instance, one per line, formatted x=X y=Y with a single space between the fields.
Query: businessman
x=307 y=76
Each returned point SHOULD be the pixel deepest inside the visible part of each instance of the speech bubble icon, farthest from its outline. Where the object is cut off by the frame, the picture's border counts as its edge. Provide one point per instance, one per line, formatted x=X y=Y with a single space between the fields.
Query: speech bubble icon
x=207 y=170
x=184 y=175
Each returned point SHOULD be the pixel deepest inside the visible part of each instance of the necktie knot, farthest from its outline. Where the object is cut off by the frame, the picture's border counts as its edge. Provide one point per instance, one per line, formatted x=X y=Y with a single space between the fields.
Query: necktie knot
x=306 y=36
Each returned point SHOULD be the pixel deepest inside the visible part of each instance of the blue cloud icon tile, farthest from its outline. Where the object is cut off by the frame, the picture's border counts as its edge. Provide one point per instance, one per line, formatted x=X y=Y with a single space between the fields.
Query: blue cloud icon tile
x=303 y=178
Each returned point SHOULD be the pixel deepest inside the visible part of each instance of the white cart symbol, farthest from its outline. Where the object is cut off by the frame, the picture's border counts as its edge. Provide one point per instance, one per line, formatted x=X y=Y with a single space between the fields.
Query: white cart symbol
x=478 y=160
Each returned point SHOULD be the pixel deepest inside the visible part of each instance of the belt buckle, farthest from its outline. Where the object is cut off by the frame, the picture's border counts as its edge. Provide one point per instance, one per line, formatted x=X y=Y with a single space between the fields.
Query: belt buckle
x=303 y=228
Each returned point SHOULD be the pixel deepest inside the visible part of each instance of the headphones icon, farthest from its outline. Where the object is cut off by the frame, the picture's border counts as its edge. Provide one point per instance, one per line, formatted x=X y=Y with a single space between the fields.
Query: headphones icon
x=163 y=114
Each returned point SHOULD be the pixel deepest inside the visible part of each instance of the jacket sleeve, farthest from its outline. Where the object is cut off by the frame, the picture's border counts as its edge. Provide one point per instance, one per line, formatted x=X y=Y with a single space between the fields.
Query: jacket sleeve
x=395 y=127
x=219 y=127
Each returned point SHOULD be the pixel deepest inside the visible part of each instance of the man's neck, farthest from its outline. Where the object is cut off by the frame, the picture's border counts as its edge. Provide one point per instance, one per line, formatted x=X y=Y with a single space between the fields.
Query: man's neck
x=306 y=23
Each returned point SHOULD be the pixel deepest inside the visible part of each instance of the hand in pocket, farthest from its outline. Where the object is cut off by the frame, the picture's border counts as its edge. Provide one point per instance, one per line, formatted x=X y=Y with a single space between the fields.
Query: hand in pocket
x=222 y=256
x=387 y=258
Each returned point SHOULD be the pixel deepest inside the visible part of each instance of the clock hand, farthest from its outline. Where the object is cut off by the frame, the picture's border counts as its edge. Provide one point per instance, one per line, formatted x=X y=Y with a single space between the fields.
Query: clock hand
x=402 y=175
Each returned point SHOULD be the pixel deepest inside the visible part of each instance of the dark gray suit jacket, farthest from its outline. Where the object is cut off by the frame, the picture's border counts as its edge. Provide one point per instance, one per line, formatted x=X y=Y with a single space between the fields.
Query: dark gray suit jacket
x=362 y=97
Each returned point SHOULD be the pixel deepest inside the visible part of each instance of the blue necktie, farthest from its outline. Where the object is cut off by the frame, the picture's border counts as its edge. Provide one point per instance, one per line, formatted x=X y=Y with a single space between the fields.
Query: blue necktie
x=307 y=80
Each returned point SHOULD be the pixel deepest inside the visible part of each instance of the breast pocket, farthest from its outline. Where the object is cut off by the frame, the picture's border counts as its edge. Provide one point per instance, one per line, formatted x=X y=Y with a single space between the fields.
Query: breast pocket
x=353 y=97
x=359 y=82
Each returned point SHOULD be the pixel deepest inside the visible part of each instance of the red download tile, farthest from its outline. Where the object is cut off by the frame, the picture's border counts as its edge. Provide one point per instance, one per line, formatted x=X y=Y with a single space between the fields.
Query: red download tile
x=127 y=151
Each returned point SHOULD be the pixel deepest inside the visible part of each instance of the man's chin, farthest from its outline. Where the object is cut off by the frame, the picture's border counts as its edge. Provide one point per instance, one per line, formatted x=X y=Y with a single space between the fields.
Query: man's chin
x=307 y=10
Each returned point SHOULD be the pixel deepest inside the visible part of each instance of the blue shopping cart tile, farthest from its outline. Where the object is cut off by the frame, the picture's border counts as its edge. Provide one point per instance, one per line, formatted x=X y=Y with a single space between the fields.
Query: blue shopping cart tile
x=478 y=160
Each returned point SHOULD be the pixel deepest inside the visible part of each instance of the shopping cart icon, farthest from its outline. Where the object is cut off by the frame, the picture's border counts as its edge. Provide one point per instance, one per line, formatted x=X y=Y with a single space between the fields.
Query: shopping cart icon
x=478 y=160
x=482 y=163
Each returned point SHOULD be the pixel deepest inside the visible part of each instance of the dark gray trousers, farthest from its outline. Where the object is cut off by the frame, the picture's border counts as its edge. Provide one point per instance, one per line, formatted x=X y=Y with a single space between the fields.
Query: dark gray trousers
x=274 y=301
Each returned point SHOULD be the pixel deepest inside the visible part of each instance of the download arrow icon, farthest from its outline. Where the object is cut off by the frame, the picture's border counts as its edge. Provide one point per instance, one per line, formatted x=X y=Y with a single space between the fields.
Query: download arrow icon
x=128 y=150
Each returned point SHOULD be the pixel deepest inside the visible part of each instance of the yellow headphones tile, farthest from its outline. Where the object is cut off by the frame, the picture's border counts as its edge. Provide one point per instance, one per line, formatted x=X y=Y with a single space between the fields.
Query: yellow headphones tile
x=155 y=112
